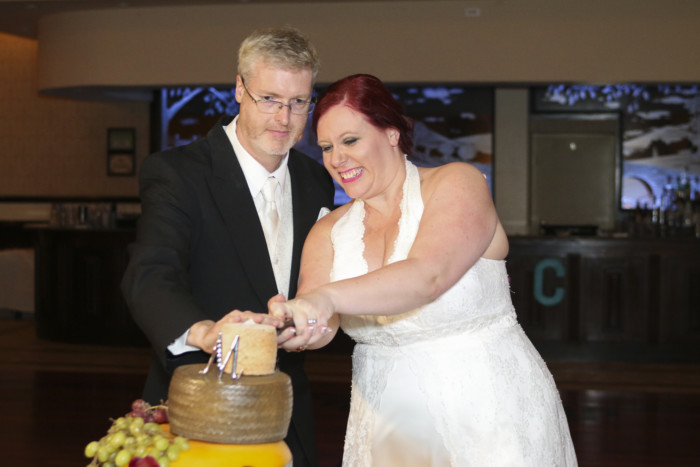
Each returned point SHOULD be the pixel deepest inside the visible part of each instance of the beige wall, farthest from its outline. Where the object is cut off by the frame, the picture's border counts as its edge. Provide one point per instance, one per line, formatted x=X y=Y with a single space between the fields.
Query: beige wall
x=56 y=147
x=511 y=41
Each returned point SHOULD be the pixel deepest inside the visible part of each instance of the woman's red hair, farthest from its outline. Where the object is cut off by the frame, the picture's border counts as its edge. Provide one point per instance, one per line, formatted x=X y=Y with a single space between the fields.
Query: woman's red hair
x=367 y=95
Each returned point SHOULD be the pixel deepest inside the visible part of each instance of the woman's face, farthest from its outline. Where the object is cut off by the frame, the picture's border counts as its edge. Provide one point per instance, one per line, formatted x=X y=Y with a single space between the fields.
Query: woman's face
x=362 y=158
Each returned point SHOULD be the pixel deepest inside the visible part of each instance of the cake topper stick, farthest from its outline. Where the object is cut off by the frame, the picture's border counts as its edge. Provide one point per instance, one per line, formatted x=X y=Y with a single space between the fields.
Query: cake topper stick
x=233 y=350
x=214 y=353
x=234 y=375
x=219 y=353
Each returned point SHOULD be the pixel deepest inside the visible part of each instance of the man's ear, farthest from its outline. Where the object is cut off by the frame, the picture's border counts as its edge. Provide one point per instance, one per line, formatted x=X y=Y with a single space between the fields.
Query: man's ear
x=239 y=89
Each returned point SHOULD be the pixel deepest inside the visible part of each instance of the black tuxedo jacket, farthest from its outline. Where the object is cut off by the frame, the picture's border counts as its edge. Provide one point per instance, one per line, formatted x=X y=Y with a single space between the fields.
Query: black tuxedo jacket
x=200 y=252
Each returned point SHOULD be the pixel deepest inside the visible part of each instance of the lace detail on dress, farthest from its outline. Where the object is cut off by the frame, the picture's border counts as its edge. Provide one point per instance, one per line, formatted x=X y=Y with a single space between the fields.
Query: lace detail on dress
x=349 y=247
x=411 y=212
x=366 y=390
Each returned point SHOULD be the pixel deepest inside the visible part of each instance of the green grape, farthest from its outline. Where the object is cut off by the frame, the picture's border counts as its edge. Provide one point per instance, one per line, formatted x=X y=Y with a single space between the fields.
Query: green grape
x=123 y=457
x=103 y=453
x=91 y=449
x=152 y=428
x=117 y=440
x=121 y=423
x=140 y=451
x=172 y=452
x=163 y=461
x=136 y=421
x=182 y=443
x=130 y=444
x=136 y=426
x=160 y=443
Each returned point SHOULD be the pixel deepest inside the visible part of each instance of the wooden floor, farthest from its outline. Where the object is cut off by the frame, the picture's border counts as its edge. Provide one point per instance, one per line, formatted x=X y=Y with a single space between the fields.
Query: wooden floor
x=56 y=397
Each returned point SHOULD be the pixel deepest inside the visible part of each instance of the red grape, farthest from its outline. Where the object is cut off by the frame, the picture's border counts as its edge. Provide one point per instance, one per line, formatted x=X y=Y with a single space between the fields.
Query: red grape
x=143 y=462
x=139 y=408
x=160 y=415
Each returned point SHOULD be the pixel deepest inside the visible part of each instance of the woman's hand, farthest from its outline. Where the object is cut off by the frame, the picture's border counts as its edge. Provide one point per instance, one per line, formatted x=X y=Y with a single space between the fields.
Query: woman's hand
x=311 y=322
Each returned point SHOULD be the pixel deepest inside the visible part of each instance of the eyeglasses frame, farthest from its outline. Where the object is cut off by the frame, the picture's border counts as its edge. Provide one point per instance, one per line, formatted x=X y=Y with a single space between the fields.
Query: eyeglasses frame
x=311 y=102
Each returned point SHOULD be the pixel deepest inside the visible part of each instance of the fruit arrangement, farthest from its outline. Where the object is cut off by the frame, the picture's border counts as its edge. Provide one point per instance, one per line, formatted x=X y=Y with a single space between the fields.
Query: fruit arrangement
x=137 y=440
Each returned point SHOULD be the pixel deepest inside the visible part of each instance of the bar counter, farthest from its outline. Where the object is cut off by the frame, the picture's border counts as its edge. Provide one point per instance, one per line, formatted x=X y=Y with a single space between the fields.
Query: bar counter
x=578 y=298
x=78 y=275
x=609 y=299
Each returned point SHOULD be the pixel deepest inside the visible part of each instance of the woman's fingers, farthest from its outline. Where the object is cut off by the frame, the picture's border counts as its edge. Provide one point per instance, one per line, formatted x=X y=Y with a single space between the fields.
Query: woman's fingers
x=285 y=335
x=290 y=341
x=275 y=309
x=307 y=320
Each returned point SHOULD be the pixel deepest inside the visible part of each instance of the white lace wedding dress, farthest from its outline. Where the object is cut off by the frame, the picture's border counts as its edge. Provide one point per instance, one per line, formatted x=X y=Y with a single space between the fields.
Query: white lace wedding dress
x=453 y=383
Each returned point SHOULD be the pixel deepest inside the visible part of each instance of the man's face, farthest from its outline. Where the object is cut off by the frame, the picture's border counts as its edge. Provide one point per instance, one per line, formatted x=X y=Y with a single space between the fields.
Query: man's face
x=268 y=137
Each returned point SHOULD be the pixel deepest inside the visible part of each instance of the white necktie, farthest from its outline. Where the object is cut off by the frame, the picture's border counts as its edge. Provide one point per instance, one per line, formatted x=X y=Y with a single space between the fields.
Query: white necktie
x=269 y=217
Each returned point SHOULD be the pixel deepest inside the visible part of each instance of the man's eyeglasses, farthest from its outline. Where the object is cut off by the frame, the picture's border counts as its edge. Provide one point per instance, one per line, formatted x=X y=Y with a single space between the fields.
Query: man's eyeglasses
x=271 y=106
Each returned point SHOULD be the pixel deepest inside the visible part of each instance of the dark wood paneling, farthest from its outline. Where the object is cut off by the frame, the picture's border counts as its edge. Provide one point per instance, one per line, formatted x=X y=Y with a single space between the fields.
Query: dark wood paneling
x=613 y=309
x=682 y=273
x=596 y=299
x=78 y=298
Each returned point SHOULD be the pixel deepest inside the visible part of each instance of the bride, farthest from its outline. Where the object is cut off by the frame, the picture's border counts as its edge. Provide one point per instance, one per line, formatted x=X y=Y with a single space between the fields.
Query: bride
x=413 y=270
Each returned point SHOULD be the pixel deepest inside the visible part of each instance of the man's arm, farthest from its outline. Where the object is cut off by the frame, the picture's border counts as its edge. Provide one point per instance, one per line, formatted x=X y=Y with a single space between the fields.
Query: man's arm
x=156 y=285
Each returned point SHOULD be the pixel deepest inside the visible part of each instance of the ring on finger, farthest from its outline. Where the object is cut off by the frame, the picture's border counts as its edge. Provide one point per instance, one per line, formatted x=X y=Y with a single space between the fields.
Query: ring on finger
x=301 y=348
x=311 y=322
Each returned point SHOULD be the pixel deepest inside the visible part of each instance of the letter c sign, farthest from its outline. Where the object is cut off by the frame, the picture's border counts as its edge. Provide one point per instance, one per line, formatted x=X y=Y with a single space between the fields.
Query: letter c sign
x=540 y=267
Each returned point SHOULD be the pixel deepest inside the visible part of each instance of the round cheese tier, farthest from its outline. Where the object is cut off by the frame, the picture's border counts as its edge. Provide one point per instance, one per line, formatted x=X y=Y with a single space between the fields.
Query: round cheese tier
x=199 y=454
x=257 y=347
x=247 y=410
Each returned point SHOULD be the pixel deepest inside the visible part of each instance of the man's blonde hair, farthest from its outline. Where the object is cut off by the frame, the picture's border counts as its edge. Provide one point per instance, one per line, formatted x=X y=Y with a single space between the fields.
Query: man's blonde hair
x=284 y=47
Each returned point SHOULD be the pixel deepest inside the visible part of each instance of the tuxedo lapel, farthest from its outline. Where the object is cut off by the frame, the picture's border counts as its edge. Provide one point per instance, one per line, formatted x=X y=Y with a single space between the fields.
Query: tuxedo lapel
x=231 y=195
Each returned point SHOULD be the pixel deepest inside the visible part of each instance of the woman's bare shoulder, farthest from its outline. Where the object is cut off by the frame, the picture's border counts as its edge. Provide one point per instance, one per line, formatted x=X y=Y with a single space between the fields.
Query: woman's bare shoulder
x=454 y=174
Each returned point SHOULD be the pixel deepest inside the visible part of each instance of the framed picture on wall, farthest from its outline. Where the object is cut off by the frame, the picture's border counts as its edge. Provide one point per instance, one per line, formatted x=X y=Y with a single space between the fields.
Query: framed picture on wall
x=120 y=164
x=121 y=139
x=121 y=151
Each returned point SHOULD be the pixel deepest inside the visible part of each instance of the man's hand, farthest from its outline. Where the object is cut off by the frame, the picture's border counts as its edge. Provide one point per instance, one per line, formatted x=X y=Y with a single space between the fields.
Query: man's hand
x=203 y=334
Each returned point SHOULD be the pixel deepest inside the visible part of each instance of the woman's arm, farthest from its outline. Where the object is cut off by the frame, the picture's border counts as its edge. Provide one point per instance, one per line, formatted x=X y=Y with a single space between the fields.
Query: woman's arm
x=458 y=225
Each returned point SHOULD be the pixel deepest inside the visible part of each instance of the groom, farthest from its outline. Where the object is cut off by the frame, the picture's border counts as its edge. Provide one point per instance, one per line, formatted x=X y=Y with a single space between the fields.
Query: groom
x=203 y=244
